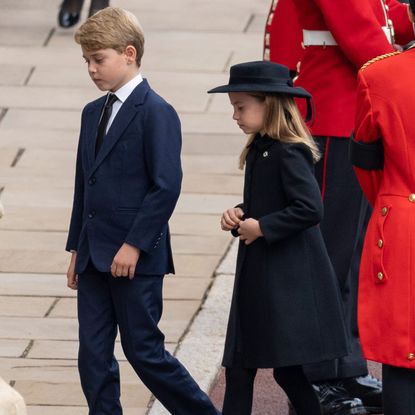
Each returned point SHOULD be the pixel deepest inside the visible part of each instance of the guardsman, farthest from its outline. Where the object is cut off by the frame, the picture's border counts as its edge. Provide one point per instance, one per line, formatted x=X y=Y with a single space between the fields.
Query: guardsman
x=338 y=38
x=283 y=35
x=383 y=152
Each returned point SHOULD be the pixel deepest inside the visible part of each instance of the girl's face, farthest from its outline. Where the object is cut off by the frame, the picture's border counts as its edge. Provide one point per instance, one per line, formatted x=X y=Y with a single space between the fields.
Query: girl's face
x=248 y=112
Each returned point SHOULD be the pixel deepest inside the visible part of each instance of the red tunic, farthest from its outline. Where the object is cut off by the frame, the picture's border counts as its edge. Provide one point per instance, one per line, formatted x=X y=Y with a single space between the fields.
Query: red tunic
x=386 y=310
x=283 y=35
x=329 y=73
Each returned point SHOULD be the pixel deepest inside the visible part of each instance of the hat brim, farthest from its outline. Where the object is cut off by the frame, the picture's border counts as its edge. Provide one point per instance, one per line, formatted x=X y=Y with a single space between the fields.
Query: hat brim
x=277 y=89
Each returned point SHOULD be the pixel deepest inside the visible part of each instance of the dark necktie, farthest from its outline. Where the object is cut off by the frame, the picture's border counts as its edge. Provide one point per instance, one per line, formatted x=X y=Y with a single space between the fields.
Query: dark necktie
x=106 y=114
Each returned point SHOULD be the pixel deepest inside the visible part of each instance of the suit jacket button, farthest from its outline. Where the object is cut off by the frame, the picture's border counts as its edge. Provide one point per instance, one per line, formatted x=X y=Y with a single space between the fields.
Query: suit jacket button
x=384 y=211
x=380 y=276
x=412 y=197
x=92 y=181
x=411 y=356
x=91 y=214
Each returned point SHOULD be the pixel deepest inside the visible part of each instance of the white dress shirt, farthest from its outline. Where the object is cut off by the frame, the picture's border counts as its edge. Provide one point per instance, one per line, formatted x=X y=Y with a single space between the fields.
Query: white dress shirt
x=122 y=94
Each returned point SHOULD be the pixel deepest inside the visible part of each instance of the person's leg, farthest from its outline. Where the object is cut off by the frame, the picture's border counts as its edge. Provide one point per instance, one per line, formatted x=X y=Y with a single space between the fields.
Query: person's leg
x=98 y=367
x=298 y=390
x=343 y=228
x=398 y=390
x=239 y=391
x=138 y=304
x=97 y=5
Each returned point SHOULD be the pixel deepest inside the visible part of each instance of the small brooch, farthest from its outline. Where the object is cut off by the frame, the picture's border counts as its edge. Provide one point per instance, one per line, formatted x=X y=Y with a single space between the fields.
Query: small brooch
x=265 y=154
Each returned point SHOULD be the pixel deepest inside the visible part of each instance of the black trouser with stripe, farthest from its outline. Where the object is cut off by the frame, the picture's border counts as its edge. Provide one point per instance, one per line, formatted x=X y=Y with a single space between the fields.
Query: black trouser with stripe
x=346 y=213
x=398 y=390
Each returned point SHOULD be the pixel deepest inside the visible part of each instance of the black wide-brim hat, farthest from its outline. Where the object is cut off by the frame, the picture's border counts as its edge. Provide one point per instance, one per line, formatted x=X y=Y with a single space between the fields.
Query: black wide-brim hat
x=261 y=76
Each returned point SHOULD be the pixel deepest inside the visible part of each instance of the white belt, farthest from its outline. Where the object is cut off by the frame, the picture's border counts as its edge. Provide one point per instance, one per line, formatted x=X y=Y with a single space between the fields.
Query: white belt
x=325 y=38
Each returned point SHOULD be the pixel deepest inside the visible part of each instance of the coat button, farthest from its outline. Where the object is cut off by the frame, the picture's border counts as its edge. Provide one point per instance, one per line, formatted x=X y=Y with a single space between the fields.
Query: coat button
x=380 y=243
x=411 y=356
x=91 y=214
x=380 y=276
x=384 y=211
x=412 y=197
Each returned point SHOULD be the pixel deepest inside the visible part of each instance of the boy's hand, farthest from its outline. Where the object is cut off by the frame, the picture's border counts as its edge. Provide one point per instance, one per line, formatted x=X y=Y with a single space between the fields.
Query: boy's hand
x=231 y=219
x=249 y=230
x=70 y=274
x=125 y=261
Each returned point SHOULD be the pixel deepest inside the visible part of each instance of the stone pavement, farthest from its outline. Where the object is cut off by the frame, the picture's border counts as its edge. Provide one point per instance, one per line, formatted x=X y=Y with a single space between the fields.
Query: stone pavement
x=190 y=45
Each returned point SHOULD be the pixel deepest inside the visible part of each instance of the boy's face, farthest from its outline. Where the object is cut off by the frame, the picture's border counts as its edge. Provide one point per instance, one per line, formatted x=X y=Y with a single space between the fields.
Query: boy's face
x=109 y=69
x=248 y=112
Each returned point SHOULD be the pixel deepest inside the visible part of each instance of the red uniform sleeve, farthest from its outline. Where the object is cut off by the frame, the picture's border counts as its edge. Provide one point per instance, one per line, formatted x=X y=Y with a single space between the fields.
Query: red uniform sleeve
x=355 y=28
x=366 y=131
x=404 y=31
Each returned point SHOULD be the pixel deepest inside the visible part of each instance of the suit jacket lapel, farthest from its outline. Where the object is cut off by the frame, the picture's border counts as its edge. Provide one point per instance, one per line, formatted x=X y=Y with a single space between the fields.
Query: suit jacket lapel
x=121 y=121
x=91 y=129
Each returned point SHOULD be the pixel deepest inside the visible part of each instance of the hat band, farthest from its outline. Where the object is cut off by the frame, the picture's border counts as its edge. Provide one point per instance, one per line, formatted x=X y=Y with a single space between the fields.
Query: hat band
x=264 y=81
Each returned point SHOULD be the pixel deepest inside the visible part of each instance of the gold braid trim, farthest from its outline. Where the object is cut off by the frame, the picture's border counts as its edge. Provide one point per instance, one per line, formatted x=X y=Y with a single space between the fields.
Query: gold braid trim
x=379 y=58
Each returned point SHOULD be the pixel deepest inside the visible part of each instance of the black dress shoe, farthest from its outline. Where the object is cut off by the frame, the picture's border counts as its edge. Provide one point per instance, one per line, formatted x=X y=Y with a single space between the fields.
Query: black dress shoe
x=97 y=5
x=368 y=389
x=335 y=400
x=69 y=13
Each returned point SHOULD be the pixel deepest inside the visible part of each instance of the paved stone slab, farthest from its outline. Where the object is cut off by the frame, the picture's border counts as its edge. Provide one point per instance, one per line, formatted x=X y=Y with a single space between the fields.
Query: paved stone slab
x=61 y=393
x=41 y=120
x=12 y=74
x=196 y=143
x=200 y=245
x=51 y=98
x=212 y=183
x=195 y=265
x=68 y=350
x=185 y=288
x=17 y=17
x=208 y=123
x=35 y=218
x=206 y=203
x=53 y=285
x=32 y=260
x=39 y=138
x=7 y=155
x=194 y=224
x=38 y=328
x=25 y=306
x=25 y=241
x=25 y=36
x=12 y=347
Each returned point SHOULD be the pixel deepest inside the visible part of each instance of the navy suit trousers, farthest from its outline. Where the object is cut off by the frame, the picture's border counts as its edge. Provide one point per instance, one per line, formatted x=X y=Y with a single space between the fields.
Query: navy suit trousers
x=135 y=307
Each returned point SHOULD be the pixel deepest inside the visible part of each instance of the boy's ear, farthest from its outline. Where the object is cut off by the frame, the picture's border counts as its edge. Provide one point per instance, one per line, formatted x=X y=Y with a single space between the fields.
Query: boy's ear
x=131 y=54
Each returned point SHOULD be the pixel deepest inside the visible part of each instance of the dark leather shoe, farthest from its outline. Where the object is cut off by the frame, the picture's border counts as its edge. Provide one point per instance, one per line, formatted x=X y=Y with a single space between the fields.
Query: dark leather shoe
x=368 y=389
x=69 y=13
x=335 y=400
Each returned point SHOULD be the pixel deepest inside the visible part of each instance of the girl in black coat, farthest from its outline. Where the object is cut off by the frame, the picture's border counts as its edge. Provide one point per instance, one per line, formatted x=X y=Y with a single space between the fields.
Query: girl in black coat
x=286 y=309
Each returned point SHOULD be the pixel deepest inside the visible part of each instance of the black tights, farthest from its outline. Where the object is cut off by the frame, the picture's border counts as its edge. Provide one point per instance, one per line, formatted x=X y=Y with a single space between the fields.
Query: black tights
x=240 y=387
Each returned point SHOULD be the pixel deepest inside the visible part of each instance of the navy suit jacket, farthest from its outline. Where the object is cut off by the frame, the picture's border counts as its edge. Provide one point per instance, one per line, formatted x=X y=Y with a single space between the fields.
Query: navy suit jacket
x=129 y=191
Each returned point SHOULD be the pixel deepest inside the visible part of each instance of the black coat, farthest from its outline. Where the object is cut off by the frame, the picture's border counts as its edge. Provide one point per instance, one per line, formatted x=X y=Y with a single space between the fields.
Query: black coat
x=286 y=307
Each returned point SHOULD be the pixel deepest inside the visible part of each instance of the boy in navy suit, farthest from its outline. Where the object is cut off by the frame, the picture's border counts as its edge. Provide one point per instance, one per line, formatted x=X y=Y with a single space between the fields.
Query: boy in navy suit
x=128 y=178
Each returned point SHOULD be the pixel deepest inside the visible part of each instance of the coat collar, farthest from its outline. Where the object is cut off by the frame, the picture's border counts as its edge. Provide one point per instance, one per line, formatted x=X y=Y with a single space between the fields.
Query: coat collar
x=262 y=142
x=123 y=118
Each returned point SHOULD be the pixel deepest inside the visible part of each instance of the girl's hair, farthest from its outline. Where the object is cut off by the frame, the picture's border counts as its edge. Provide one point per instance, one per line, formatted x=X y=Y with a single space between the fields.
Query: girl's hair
x=111 y=28
x=282 y=122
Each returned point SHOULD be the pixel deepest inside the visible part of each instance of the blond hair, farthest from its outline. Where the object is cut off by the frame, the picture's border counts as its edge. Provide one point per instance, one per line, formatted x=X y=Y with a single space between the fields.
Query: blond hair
x=111 y=28
x=283 y=122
